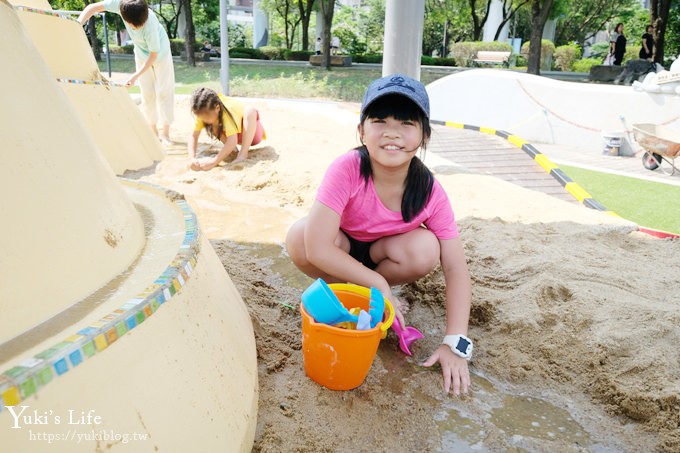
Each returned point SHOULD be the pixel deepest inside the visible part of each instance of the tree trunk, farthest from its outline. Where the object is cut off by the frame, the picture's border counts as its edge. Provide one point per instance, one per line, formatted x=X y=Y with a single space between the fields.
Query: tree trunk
x=92 y=34
x=477 y=23
x=507 y=15
x=659 y=10
x=540 y=10
x=190 y=37
x=327 y=10
x=305 y=8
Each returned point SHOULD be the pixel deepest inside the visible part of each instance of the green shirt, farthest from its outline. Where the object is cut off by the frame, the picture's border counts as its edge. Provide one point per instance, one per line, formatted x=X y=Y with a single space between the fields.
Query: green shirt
x=151 y=37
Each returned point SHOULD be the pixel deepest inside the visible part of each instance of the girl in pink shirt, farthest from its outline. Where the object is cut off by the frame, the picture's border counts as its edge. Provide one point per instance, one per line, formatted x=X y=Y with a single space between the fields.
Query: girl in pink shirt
x=381 y=219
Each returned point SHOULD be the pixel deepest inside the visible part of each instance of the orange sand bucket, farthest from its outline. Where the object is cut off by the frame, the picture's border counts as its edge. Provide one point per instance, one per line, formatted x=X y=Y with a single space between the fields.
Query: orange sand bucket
x=337 y=358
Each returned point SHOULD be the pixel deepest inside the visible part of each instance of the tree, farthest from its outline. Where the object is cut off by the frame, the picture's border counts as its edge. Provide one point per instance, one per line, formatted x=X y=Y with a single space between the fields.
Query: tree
x=372 y=22
x=287 y=11
x=445 y=20
x=327 y=8
x=584 y=18
x=672 y=37
x=510 y=8
x=659 y=10
x=305 y=8
x=540 y=11
x=190 y=38
x=168 y=12
x=477 y=21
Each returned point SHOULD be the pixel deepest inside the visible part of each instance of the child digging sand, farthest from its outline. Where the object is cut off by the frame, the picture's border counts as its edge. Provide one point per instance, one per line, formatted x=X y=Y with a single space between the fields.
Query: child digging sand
x=381 y=219
x=226 y=119
x=153 y=60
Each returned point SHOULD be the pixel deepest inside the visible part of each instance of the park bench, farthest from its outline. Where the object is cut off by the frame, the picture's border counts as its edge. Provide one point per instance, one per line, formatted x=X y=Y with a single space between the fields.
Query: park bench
x=336 y=60
x=492 y=58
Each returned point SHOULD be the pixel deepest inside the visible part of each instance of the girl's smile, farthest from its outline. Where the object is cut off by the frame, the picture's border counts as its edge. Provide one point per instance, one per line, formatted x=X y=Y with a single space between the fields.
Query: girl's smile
x=389 y=141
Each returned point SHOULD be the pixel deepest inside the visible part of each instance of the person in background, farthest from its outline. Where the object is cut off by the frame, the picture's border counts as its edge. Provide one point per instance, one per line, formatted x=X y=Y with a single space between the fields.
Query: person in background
x=335 y=45
x=317 y=45
x=647 y=48
x=153 y=60
x=227 y=120
x=619 y=44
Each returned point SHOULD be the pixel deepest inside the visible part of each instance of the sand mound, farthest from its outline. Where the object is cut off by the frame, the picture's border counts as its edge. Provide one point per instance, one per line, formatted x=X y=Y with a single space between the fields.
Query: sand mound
x=569 y=305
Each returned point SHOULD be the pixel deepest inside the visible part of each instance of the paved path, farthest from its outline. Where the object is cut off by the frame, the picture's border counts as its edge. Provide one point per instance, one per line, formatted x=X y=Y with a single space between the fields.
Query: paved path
x=495 y=156
x=628 y=166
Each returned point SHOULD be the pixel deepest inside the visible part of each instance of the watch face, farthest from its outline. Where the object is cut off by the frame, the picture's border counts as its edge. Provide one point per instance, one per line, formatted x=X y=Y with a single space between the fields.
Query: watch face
x=463 y=345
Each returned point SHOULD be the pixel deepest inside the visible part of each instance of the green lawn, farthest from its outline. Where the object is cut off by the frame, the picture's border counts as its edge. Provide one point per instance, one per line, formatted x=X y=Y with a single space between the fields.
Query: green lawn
x=261 y=80
x=646 y=203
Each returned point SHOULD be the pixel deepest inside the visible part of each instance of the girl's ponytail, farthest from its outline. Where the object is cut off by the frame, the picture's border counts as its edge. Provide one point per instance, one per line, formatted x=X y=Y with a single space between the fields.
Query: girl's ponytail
x=419 y=183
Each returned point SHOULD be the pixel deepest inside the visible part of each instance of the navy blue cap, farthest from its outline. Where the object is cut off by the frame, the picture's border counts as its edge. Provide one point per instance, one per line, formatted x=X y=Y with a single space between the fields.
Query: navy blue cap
x=397 y=84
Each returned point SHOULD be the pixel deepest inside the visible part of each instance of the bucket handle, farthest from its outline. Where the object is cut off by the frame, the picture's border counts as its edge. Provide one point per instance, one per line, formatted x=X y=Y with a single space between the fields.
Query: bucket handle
x=363 y=291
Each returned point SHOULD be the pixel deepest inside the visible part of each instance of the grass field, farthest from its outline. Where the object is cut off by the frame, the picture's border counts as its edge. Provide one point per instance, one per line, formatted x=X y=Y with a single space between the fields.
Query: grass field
x=646 y=203
x=262 y=80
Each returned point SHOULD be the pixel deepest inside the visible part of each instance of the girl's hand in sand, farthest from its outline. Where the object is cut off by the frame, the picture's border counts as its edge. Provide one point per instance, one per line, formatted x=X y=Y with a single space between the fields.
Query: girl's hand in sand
x=198 y=165
x=195 y=164
x=454 y=369
x=205 y=166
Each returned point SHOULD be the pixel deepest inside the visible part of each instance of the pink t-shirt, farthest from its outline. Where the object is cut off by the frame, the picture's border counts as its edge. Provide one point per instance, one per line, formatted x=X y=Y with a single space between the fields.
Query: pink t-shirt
x=364 y=217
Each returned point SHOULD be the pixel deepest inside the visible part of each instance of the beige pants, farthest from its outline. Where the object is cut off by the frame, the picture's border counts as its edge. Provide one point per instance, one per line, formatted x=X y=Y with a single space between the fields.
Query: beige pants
x=157 y=85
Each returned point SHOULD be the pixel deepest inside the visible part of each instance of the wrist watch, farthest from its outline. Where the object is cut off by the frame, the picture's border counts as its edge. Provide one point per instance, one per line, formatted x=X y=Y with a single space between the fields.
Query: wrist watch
x=460 y=345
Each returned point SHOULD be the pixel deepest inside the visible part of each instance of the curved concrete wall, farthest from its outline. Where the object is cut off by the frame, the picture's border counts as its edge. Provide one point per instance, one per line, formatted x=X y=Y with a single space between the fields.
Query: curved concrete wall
x=120 y=130
x=68 y=228
x=108 y=112
x=185 y=380
x=545 y=110
x=63 y=45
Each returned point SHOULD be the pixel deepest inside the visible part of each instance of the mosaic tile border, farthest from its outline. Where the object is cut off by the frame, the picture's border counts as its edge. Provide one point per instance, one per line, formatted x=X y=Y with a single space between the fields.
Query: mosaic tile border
x=44 y=12
x=91 y=82
x=30 y=375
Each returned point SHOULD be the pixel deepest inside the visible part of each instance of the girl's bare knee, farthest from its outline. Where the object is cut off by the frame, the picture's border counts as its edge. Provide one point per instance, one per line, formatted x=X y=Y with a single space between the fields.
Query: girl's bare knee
x=295 y=243
x=423 y=253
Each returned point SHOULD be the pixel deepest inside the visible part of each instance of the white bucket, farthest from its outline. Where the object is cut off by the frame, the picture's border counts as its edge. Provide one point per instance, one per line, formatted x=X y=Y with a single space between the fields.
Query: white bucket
x=613 y=141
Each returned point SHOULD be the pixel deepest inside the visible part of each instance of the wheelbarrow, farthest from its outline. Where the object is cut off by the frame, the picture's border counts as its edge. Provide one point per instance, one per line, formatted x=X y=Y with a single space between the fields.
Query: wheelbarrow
x=661 y=144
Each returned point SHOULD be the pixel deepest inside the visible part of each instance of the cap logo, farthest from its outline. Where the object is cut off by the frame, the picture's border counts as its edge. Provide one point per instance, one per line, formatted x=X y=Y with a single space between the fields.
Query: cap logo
x=397 y=81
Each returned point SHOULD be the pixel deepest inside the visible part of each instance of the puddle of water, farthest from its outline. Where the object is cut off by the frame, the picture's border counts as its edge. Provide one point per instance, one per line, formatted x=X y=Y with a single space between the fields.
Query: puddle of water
x=281 y=264
x=522 y=421
x=460 y=433
x=536 y=418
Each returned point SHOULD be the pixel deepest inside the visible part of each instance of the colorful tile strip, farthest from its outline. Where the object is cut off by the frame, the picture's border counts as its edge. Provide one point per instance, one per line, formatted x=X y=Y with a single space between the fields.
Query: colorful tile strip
x=90 y=82
x=27 y=378
x=44 y=12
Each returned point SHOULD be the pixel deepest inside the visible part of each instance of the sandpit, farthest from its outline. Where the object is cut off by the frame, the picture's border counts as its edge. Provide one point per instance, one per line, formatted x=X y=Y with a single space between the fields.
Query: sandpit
x=572 y=310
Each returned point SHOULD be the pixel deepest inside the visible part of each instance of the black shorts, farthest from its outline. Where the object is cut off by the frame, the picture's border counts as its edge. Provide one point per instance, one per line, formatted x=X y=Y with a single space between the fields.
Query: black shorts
x=360 y=251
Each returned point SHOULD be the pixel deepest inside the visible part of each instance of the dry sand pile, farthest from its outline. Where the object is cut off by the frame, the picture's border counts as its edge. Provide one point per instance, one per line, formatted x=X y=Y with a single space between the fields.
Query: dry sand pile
x=569 y=305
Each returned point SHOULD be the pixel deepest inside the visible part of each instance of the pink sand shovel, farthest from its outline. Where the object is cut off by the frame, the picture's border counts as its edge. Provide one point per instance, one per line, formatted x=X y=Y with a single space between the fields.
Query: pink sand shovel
x=406 y=336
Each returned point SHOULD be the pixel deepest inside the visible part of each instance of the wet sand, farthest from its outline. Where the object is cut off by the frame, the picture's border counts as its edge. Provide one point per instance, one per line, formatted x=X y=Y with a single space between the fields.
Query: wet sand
x=574 y=314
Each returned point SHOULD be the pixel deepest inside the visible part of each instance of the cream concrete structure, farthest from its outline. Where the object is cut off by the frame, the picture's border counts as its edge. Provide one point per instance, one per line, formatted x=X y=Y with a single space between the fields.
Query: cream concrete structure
x=67 y=223
x=544 y=110
x=120 y=328
x=114 y=121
